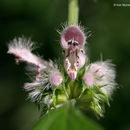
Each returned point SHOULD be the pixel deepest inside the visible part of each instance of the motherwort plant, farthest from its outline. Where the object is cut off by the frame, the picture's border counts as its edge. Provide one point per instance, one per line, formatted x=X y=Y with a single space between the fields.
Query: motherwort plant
x=88 y=85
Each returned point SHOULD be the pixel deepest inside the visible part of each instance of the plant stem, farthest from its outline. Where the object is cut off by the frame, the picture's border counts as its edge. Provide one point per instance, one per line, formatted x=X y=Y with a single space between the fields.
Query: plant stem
x=73 y=12
x=67 y=96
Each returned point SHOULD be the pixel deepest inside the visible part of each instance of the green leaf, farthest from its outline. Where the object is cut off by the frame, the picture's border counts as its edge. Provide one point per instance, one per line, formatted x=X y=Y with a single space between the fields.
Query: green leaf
x=66 y=118
x=81 y=72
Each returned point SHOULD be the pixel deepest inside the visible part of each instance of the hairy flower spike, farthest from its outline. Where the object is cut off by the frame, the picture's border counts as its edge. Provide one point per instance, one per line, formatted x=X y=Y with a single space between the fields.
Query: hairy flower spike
x=52 y=87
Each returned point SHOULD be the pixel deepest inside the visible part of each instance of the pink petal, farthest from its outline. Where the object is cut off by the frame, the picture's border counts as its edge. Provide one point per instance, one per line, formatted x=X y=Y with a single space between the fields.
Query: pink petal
x=73 y=32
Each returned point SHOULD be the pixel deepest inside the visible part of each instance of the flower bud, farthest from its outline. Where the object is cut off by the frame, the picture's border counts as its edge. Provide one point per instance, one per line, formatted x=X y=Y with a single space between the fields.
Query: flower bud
x=55 y=78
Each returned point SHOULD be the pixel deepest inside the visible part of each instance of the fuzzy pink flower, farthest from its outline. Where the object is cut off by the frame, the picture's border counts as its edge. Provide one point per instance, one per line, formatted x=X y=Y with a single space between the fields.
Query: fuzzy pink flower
x=50 y=77
x=99 y=70
x=101 y=74
x=55 y=78
x=22 y=48
x=89 y=79
x=73 y=34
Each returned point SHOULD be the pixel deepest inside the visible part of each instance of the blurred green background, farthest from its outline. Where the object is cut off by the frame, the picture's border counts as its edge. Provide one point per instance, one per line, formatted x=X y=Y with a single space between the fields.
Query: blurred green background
x=39 y=19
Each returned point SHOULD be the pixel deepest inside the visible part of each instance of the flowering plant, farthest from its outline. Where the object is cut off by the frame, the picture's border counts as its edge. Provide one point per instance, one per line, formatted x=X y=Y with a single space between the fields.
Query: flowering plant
x=88 y=85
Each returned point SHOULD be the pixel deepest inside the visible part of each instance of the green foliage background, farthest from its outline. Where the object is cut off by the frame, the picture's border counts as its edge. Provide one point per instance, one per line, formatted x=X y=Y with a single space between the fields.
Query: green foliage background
x=39 y=19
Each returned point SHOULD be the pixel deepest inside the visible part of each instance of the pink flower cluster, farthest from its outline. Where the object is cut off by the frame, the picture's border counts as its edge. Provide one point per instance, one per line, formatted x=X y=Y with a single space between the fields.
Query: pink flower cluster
x=49 y=76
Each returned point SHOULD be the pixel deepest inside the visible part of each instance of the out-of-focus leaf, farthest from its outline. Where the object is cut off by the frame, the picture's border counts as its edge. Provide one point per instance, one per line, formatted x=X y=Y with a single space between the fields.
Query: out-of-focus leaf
x=66 y=118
